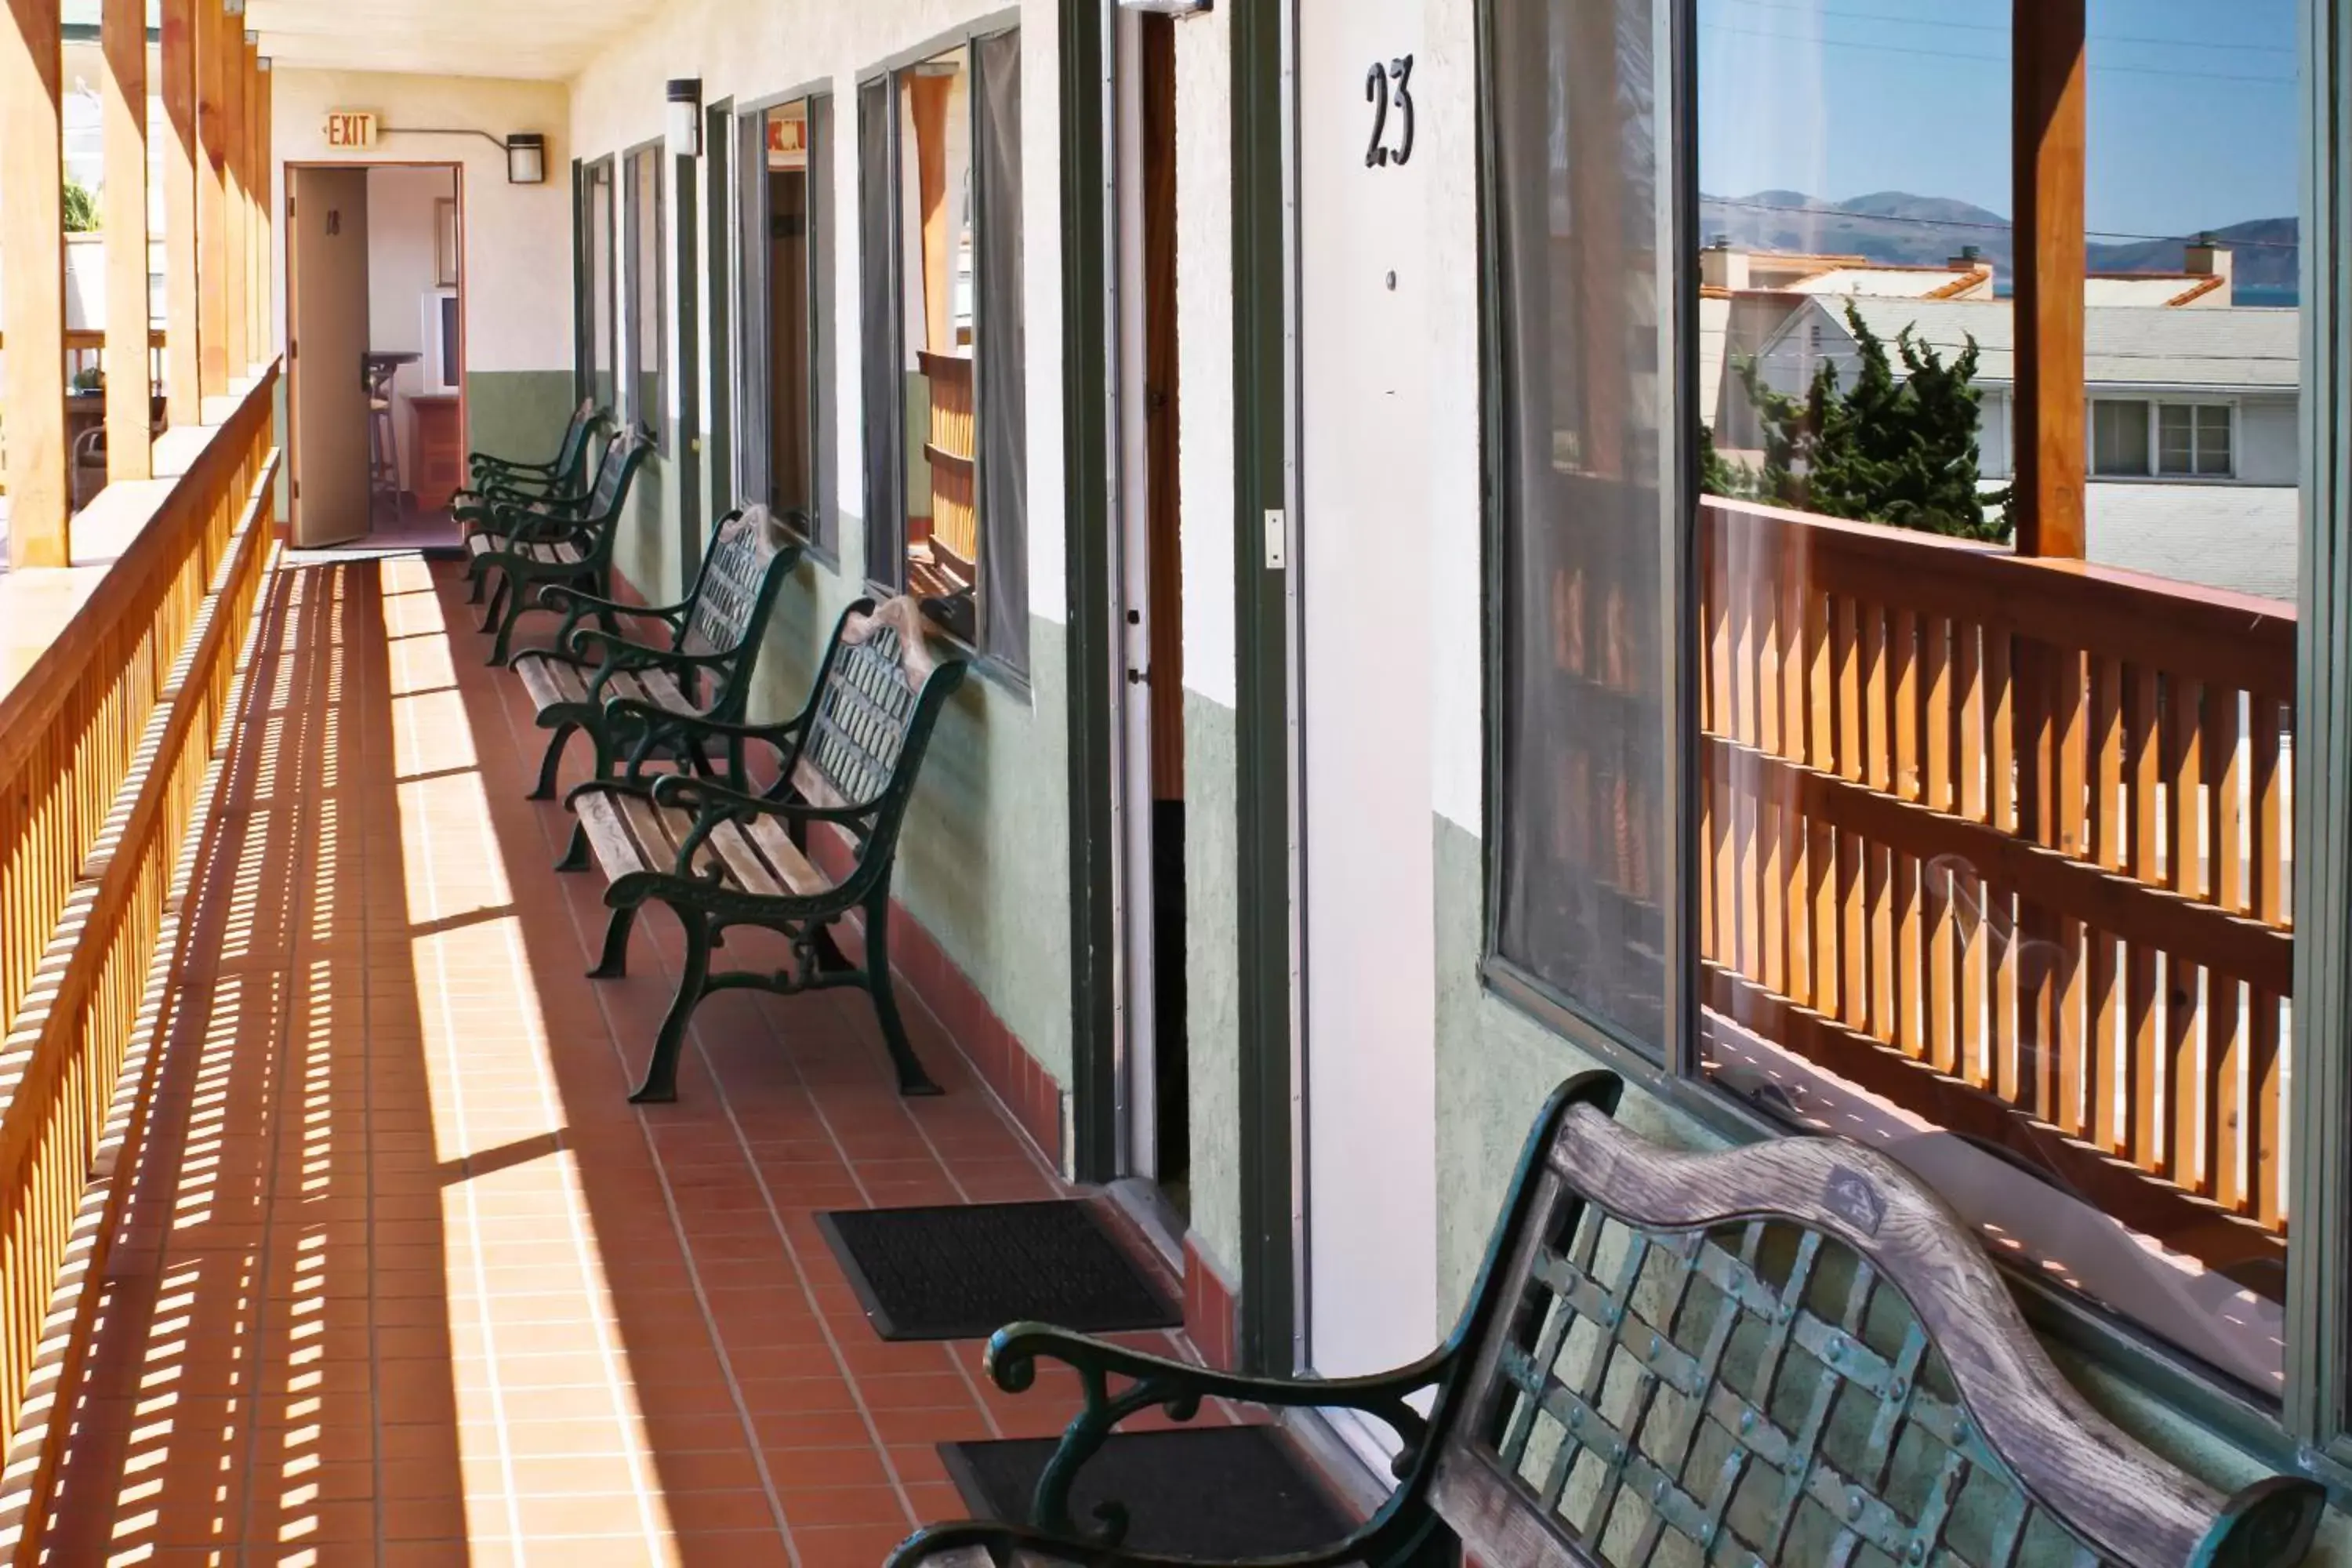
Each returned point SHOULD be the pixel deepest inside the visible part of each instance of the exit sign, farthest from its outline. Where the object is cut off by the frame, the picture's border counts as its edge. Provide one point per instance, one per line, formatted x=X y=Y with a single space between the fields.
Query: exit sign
x=350 y=128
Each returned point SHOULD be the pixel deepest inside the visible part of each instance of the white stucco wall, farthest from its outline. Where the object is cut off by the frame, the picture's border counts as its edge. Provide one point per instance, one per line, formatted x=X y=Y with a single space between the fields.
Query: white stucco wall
x=2269 y=441
x=751 y=50
x=1451 y=532
x=518 y=237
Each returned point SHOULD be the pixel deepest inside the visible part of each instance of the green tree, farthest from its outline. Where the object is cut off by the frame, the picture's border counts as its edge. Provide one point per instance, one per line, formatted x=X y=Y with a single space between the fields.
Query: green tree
x=82 y=207
x=1896 y=450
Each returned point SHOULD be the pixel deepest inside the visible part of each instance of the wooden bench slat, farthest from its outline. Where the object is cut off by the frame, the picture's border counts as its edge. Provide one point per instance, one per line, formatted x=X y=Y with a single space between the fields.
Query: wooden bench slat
x=790 y=867
x=743 y=863
x=616 y=851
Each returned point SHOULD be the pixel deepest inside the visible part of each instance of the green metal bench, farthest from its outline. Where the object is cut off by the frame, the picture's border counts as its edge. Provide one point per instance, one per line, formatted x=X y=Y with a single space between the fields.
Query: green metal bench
x=1789 y=1353
x=722 y=857
x=625 y=693
x=527 y=548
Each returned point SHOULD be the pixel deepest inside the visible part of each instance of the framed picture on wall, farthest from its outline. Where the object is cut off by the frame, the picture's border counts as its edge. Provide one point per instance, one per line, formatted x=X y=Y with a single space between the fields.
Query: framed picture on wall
x=445 y=242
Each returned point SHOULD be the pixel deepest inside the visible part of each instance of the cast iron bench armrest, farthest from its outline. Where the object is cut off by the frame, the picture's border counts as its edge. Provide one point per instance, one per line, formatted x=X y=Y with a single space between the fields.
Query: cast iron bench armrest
x=779 y=736
x=626 y=653
x=1178 y=1388
x=714 y=803
x=1013 y=1352
x=557 y=596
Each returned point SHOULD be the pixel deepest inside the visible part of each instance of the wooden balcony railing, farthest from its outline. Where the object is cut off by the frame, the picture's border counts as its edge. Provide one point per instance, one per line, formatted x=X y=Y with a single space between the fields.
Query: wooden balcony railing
x=106 y=744
x=2006 y=842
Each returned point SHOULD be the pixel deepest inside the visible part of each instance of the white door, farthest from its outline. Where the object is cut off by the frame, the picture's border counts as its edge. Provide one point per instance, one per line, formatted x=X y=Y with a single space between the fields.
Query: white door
x=1365 y=622
x=329 y=309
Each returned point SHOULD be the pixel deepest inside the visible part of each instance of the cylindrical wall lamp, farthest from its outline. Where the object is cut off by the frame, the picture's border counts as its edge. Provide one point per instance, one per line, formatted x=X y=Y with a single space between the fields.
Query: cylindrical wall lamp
x=685 y=94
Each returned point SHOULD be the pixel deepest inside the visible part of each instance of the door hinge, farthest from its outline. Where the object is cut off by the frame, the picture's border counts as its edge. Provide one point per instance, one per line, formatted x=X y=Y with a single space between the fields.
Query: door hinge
x=1277 y=542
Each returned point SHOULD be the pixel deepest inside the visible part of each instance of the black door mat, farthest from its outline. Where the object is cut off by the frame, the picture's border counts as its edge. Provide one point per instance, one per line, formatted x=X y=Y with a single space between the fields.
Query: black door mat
x=961 y=1271
x=1210 y=1493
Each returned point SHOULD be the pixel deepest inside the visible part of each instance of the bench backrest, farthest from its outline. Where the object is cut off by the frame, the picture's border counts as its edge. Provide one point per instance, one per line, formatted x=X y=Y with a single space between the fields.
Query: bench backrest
x=570 y=456
x=625 y=452
x=727 y=612
x=861 y=742
x=736 y=582
x=1788 y=1353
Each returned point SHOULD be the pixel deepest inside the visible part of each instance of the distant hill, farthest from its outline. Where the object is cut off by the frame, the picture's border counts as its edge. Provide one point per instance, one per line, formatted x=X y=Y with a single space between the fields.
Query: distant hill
x=1897 y=228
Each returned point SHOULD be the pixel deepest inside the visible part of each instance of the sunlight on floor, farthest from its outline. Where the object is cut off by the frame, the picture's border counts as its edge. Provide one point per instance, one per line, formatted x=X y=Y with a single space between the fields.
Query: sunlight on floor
x=529 y=1313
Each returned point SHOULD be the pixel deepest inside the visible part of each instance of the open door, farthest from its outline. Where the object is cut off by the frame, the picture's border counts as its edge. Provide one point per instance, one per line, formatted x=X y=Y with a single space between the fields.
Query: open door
x=1156 y=1073
x=326 y=309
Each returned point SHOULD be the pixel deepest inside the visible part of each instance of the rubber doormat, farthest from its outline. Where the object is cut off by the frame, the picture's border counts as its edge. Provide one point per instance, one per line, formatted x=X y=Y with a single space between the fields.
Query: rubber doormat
x=1216 y=1493
x=961 y=1271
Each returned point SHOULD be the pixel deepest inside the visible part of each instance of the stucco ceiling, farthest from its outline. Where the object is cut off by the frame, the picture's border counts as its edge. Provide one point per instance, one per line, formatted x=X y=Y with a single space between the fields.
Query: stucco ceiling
x=547 y=39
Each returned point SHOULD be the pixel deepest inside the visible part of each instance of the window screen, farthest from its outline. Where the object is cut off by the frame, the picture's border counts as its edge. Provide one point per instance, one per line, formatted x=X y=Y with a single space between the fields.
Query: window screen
x=1579 y=875
x=1003 y=352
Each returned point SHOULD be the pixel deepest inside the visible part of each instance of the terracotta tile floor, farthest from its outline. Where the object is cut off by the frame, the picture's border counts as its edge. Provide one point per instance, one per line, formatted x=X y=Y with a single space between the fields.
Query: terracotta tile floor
x=405 y=1280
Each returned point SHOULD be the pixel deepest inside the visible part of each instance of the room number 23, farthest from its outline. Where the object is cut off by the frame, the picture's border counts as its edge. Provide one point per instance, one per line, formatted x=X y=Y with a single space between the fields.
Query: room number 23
x=1390 y=87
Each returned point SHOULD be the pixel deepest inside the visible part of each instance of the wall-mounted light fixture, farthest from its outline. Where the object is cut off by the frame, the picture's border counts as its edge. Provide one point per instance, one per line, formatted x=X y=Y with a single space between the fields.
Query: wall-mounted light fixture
x=526 y=158
x=1179 y=8
x=685 y=95
x=526 y=151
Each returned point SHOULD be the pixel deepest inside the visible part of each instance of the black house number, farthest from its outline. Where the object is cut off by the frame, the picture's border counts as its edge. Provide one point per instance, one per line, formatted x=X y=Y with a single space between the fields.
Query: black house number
x=1386 y=86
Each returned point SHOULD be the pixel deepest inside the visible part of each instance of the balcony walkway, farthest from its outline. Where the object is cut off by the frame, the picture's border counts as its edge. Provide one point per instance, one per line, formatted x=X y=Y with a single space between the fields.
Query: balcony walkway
x=406 y=1280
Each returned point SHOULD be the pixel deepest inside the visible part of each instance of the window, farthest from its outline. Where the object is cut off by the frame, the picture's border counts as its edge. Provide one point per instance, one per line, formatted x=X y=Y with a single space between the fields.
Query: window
x=946 y=341
x=602 y=349
x=2193 y=440
x=784 y=273
x=646 y=228
x=2119 y=437
x=1581 y=868
x=1951 y=808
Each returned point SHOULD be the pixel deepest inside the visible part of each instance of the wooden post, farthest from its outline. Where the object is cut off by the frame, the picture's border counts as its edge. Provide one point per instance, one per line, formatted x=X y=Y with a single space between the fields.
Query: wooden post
x=33 y=296
x=264 y=208
x=2048 y=140
x=212 y=201
x=181 y=400
x=236 y=289
x=130 y=378
x=2048 y=137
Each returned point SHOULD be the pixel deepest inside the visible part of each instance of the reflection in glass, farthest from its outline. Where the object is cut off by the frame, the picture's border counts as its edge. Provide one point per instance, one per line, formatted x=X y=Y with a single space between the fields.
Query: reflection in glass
x=1994 y=852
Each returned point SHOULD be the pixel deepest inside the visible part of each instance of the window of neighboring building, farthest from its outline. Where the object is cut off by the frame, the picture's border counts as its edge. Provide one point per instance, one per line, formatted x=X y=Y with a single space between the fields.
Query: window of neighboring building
x=2193 y=441
x=782 y=395
x=596 y=223
x=645 y=235
x=1814 y=788
x=2119 y=437
x=946 y=341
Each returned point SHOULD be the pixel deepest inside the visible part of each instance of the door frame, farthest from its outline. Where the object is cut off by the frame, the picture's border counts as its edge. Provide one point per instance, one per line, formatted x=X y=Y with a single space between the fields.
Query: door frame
x=293 y=284
x=1267 y=1326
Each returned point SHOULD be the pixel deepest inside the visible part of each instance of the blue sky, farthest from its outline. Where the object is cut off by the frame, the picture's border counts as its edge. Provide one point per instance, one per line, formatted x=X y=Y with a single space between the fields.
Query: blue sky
x=2193 y=107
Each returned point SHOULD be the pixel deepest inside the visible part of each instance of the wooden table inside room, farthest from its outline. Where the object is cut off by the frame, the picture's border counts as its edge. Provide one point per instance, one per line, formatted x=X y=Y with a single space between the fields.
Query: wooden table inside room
x=438 y=456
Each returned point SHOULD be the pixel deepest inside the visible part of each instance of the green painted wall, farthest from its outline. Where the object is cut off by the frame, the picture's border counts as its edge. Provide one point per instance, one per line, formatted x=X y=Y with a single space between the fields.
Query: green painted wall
x=1496 y=1064
x=1213 y=980
x=517 y=412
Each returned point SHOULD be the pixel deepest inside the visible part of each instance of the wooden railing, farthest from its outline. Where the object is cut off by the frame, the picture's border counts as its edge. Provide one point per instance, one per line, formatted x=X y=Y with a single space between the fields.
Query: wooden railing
x=2006 y=841
x=951 y=449
x=107 y=752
